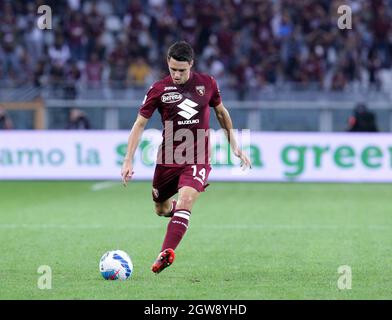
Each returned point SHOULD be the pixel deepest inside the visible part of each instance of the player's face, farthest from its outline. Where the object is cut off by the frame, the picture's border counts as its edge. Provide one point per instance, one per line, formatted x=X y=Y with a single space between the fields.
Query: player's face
x=179 y=70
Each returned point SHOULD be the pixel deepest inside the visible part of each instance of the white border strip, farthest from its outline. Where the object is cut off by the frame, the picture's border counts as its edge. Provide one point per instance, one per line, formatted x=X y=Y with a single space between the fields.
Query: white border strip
x=182 y=214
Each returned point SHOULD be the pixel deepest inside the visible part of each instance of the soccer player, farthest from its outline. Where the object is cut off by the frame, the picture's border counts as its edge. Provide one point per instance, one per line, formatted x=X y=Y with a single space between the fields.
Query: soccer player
x=5 y=120
x=362 y=120
x=184 y=99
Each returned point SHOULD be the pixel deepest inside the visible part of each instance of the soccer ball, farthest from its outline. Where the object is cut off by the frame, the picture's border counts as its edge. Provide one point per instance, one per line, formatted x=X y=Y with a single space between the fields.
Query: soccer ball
x=115 y=265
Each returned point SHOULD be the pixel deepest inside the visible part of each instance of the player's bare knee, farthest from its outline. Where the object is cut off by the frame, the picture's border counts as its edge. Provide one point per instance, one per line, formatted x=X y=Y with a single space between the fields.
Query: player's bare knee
x=160 y=209
x=159 y=213
x=185 y=202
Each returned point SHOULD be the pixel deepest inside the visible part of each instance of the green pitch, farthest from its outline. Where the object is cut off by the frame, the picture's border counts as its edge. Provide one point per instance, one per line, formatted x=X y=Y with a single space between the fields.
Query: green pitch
x=245 y=241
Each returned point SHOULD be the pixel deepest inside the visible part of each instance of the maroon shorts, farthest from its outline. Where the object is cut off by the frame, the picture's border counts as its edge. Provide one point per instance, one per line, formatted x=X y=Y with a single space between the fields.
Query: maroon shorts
x=168 y=180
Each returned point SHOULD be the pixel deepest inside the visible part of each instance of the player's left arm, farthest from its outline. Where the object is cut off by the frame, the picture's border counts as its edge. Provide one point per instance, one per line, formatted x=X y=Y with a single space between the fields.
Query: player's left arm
x=226 y=123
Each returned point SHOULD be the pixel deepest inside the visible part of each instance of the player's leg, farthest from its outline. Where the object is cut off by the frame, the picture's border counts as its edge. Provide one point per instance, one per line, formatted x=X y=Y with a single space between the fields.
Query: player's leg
x=192 y=181
x=165 y=185
x=176 y=228
x=179 y=222
x=186 y=198
x=165 y=208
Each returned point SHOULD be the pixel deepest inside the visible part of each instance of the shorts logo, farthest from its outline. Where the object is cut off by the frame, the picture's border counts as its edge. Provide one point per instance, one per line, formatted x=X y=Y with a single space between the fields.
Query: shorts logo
x=198 y=179
x=201 y=90
x=171 y=97
x=155 y=193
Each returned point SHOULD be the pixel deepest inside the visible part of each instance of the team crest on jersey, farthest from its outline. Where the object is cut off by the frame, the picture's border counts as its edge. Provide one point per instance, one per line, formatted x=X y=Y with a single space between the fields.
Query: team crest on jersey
x=171 y=97
x=201 y=90
x=155 y=192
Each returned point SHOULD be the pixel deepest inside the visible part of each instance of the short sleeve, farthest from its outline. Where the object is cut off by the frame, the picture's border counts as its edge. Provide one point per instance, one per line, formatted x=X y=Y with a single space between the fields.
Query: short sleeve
x=215 y=95
x=150 y=103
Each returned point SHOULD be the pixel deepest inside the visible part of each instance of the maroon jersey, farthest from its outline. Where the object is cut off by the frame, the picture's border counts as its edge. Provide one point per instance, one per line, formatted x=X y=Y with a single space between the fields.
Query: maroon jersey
x=185 y=114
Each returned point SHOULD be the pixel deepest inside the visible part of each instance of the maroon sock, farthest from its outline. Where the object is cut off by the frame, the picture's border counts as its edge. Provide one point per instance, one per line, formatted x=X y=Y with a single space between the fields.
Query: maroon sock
x=176 y=229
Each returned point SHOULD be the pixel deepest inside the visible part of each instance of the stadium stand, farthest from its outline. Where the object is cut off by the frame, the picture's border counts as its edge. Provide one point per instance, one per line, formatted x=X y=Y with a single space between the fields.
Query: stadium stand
x=255 y=49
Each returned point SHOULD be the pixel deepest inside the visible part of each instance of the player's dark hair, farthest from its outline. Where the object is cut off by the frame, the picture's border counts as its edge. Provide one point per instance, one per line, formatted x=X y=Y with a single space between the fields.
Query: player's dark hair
x=180 y=51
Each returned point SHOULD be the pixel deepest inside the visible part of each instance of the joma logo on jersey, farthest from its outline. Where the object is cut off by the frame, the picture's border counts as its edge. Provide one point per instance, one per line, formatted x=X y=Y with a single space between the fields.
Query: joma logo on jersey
x=170 y=88
x=187 y=109
x=171 y=97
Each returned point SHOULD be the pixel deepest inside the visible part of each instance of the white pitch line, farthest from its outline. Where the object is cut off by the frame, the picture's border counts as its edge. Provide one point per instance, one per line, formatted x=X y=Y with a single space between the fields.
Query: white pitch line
x=70 y=226
x=104 y=185
x=207 y=226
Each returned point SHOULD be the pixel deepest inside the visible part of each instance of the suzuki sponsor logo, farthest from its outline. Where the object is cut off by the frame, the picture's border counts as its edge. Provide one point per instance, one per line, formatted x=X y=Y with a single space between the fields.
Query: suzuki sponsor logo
x=194 y=121
x=171 y=97
x=187 y=107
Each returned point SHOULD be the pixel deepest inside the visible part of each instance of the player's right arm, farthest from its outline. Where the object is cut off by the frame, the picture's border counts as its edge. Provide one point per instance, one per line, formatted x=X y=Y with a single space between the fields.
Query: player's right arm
x=133 y=142
x=150 y=103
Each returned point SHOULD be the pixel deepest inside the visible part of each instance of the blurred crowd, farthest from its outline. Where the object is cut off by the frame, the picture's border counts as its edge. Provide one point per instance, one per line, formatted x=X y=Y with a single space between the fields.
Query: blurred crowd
x=247 y=45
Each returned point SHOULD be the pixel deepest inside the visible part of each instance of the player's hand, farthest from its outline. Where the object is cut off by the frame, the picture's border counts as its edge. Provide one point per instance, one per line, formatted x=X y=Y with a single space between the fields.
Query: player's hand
x=126 y=172
x=245 y=161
